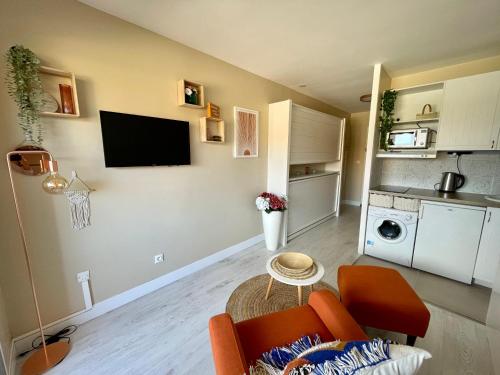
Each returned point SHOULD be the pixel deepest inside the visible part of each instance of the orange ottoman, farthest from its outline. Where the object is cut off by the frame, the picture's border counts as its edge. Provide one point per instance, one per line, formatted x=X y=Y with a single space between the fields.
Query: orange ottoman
x=381 y=298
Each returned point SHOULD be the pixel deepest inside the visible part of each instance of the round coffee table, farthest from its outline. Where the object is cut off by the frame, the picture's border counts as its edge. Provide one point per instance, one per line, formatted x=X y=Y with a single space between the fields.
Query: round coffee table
x=299 y=283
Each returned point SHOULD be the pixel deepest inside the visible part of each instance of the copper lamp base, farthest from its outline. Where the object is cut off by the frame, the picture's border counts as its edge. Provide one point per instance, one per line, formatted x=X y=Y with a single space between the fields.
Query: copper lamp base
x=37 y=363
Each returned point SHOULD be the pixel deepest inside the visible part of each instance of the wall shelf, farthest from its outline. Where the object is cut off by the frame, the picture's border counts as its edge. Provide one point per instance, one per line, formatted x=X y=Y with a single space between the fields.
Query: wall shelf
x=211 y=127
x=181 y=96
x=51 y=78
x=427 y=120
x=410 y=101
x=429 y=153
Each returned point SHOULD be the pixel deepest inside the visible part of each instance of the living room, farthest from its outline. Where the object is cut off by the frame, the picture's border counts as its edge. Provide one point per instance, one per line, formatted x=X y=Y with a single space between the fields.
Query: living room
x=133 y=251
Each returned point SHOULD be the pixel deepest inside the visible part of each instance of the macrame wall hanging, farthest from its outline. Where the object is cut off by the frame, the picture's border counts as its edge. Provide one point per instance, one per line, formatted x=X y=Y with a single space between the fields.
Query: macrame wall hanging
x=78 y=194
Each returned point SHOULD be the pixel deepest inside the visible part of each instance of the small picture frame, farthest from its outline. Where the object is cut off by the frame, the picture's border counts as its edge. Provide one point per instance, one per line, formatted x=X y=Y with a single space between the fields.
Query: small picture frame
x=246 y=133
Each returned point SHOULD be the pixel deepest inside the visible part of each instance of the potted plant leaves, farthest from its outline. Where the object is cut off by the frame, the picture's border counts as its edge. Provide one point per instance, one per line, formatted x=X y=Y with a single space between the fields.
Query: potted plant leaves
x=386 y=117
x=25 y=87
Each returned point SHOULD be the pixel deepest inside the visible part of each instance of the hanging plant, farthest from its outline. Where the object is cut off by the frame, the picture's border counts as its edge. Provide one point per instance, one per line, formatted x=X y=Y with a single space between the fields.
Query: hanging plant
x=387 y=111
x=25 y=87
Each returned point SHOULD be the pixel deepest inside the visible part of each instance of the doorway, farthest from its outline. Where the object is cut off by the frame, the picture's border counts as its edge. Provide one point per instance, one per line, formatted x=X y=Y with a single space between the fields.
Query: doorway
x=357 y=133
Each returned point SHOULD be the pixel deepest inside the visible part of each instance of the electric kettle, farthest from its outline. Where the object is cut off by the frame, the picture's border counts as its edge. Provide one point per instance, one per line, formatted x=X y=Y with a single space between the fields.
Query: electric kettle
x=451 y=181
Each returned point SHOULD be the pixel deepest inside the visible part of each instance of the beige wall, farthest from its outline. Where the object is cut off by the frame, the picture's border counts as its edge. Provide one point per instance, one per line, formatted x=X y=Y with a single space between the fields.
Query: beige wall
x=355 y=155
x=5 y=336
x=448 y=72
x=187 y=212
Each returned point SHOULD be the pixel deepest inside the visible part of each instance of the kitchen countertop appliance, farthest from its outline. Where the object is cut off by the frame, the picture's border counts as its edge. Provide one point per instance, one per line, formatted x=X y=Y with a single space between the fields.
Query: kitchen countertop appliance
x=417 y=138
x=451 y=181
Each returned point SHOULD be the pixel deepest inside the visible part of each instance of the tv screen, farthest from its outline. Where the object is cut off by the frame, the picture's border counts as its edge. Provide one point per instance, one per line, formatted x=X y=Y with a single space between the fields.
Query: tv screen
x=133 y=141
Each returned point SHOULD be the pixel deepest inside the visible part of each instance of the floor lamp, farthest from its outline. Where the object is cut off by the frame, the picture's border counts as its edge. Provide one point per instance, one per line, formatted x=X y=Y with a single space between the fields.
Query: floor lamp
x=49 y=355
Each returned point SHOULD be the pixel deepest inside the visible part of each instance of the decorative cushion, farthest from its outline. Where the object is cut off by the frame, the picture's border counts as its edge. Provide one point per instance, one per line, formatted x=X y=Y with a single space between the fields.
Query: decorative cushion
x=405 y=360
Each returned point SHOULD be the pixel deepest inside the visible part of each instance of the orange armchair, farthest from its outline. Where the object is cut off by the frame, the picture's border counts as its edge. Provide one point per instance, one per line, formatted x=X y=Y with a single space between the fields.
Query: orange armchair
x=236 y=346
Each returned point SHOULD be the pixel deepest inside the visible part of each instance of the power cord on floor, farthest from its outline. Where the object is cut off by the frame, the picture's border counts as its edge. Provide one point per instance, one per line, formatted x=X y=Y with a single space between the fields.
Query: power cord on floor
x=63 y=335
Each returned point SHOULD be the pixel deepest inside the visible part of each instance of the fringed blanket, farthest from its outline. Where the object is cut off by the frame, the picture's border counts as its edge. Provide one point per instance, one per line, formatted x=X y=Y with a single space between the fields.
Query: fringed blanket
x=307 y=357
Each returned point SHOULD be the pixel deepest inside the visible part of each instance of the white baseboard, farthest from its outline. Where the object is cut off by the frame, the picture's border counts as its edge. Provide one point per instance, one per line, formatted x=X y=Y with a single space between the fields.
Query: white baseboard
x=351 y=203
x=23 y=342
x=487 y=284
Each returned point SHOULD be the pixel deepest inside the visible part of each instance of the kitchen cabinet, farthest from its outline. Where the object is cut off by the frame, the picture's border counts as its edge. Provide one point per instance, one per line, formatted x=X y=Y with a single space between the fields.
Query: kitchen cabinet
x=447 y=239
x=470 y=118
x=310 y=200
x=315 y=137
x=488 y=256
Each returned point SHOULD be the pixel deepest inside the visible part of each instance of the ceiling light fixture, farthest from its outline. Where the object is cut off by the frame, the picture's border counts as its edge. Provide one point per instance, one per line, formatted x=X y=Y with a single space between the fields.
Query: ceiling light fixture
x=367 y=98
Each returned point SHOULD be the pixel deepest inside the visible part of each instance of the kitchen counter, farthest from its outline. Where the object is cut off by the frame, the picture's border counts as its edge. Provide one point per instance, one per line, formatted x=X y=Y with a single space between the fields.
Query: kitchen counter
x=434 y=195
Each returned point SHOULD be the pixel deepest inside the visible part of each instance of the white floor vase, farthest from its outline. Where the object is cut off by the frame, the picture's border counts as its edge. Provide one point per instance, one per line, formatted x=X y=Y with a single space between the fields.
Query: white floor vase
x=272 y=225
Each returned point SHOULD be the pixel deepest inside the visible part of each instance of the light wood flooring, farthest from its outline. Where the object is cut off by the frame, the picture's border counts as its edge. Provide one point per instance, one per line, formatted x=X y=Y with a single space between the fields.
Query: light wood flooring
x=166 y=332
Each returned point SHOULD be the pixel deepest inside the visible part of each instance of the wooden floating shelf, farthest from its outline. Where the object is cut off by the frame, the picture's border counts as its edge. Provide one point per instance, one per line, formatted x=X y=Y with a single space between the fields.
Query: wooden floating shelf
x=181 y=96
x=210 y=128
x=51 y=78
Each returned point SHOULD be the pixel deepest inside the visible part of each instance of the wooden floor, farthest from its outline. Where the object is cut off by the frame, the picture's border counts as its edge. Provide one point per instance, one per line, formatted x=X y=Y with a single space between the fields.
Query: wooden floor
x=166 y=331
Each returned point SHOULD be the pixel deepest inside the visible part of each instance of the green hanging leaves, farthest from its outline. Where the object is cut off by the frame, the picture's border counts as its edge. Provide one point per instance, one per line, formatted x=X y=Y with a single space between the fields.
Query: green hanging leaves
x=387 y=111
x=25 y=87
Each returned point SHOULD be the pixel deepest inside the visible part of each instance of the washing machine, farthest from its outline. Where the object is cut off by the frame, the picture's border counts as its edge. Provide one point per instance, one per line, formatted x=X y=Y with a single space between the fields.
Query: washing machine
x=390 y=234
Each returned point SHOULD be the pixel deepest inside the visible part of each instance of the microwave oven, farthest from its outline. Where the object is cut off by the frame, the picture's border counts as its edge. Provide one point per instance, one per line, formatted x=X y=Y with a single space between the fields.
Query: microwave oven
x=408 y=138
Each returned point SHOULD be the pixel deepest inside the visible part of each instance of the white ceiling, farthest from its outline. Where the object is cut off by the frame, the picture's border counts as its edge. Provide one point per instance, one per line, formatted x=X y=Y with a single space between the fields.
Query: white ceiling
x=329 y=45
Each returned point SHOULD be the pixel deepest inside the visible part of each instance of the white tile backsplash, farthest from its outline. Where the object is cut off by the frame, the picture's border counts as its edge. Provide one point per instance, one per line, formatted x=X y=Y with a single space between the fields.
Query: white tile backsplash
x=481 y=170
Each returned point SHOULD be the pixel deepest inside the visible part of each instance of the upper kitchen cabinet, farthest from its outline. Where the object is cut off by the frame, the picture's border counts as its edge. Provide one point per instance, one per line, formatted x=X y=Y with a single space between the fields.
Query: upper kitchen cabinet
x=315 y=137
x=470 y=118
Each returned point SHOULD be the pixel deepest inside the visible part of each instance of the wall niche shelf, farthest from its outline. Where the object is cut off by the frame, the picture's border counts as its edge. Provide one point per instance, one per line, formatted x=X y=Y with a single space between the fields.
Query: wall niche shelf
x=411 y=100
x=51 y=78
x=212 y=130
x=181 y=94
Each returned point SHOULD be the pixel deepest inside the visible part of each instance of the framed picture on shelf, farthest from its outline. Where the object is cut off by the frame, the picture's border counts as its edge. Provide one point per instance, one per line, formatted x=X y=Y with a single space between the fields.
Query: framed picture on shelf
x=246 y=133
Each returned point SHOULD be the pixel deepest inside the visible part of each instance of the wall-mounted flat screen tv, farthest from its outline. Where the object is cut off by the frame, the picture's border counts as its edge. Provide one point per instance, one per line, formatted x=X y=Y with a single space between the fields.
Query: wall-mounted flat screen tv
x=133 y=141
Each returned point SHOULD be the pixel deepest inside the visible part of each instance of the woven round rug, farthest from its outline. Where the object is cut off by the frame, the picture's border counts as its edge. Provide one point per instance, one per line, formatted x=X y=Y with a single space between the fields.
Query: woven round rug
x=248 y=299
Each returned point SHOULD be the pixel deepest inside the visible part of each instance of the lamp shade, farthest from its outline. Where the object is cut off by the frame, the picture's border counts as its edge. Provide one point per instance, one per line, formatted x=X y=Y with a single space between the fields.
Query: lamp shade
x=54 y=183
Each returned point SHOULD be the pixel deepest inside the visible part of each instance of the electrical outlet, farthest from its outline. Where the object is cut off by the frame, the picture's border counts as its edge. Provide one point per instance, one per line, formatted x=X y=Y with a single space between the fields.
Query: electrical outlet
x=159 y=258
x=81 y=277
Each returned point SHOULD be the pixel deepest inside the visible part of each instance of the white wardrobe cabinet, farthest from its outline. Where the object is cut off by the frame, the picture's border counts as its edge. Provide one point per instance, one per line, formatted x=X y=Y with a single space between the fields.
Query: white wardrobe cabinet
x=488 y=256
x=315 y=136
x=305 y=152
x=311 y=199
x=470 y=118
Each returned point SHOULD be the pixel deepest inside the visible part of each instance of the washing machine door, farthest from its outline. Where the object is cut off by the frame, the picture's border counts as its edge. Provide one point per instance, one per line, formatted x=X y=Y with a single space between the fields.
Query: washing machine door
x=390 y=230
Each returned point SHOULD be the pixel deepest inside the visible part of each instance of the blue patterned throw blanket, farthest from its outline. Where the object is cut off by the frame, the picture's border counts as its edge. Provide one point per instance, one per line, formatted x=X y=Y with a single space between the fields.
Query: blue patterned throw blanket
x=307 y=357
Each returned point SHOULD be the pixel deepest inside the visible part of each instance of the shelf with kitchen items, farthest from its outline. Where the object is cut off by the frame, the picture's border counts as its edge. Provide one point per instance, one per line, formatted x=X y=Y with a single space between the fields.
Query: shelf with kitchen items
x=417 y=107
x=190 y=94
x=60 y=95
x=429 y=152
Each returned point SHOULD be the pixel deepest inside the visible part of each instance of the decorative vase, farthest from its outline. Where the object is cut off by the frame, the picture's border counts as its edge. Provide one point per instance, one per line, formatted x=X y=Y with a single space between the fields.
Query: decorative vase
x=272 y=228
x=67 y=103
